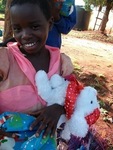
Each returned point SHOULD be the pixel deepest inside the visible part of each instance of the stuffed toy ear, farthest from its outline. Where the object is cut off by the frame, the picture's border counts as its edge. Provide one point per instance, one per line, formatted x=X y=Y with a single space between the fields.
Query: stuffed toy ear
x=56 y=80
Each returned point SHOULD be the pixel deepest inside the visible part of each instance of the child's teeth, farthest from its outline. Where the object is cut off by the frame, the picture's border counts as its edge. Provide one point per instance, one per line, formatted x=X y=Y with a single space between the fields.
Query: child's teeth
x=31 y=44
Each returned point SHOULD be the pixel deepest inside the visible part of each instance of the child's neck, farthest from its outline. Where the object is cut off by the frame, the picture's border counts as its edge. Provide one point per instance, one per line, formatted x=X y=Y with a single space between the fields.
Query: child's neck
x=40 y=61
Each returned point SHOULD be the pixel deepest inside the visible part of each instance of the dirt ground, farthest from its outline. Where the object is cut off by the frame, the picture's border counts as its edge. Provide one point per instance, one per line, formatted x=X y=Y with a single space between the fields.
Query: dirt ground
x=92 y=55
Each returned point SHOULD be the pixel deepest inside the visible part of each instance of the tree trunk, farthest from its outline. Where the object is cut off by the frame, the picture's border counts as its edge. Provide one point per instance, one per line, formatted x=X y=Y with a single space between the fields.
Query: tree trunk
x=8 y=33
x=105 y=18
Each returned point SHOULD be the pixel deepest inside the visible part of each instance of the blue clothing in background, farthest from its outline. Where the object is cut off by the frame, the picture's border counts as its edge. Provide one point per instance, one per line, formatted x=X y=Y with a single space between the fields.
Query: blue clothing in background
x=63 y=26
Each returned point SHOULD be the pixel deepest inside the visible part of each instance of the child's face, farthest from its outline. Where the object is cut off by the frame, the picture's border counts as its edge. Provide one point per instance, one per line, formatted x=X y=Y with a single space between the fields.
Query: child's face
x=30 y=27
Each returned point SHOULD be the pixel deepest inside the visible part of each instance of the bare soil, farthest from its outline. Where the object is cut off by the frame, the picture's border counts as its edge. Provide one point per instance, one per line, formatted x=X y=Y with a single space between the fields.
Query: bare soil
x=92 y=55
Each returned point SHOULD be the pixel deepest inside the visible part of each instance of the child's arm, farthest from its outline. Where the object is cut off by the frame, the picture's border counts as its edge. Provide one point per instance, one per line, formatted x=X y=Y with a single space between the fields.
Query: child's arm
x=48 y=117
x=4 y=63
x=65 y=24
x=66 y=65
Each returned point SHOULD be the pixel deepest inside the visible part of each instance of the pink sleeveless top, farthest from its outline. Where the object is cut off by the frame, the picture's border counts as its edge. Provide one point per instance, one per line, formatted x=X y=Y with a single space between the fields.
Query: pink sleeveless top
x=17 y=90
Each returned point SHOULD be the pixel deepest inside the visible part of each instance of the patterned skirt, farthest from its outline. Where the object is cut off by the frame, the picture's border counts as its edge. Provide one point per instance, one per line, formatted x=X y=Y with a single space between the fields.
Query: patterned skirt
x=92 y=141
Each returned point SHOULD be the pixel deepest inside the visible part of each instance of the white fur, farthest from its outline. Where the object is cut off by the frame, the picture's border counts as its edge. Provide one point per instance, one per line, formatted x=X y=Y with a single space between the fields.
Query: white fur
x=53 y=90
x=8 y=145
x=85 y=104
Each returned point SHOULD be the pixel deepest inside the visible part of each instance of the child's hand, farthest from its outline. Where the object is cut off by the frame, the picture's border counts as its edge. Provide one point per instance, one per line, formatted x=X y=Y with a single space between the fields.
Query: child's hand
x=47 y=118
x=66 y=65
x=56 y=14
x=56 y=10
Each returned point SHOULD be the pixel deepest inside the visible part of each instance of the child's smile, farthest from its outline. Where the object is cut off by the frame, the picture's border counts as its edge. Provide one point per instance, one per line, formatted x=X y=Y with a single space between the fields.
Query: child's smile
x=30 y=47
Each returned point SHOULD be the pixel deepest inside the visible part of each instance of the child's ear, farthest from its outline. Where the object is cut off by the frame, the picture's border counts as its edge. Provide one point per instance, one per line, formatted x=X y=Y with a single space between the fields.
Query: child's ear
x=51 y=22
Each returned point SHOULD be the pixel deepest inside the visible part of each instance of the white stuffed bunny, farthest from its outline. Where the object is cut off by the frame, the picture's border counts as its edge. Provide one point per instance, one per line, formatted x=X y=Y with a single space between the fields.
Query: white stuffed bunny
x=85 y=108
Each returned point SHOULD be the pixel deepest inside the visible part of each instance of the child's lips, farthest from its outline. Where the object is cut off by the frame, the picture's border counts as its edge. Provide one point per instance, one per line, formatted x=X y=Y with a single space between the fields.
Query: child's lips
x=30 y=47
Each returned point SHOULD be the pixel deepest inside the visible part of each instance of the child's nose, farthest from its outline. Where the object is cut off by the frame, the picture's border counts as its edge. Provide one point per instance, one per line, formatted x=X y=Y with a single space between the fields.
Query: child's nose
x=26 y=34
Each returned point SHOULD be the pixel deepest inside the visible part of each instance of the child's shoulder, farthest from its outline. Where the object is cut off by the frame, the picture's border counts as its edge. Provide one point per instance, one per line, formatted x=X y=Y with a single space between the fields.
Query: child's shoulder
x=51 y=48
x=3 y=53
x=3 y=50
x=4 y=56
x=54 y=52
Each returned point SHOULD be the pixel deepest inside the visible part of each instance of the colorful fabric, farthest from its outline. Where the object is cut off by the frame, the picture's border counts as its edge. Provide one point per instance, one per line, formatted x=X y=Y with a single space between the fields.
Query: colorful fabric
x=24 y=139
x=15 y=67
x=91 y=142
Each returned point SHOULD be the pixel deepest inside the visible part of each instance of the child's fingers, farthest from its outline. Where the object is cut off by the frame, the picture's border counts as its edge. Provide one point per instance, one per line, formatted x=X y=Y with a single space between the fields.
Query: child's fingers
x=49 y=130
x=43 y=126
x=40 y=129
x=37 y=122
x=53 y=131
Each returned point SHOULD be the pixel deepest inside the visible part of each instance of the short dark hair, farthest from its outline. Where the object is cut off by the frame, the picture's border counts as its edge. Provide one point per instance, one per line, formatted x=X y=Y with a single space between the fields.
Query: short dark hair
x=45 y=5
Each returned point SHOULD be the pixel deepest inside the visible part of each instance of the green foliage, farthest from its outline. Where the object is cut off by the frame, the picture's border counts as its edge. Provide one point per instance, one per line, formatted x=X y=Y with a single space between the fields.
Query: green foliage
x=2 y=6
x=88 y=3
x=95 y=2
x=4 y=2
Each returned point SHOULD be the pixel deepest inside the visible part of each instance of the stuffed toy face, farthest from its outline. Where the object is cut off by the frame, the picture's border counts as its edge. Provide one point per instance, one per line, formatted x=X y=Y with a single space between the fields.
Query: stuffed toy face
x=87 y=101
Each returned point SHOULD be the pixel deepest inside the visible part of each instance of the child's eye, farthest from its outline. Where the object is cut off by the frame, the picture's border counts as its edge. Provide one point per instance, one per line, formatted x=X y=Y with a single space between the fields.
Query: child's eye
x=1 y=78
x=35 y=27
x=16 y=29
